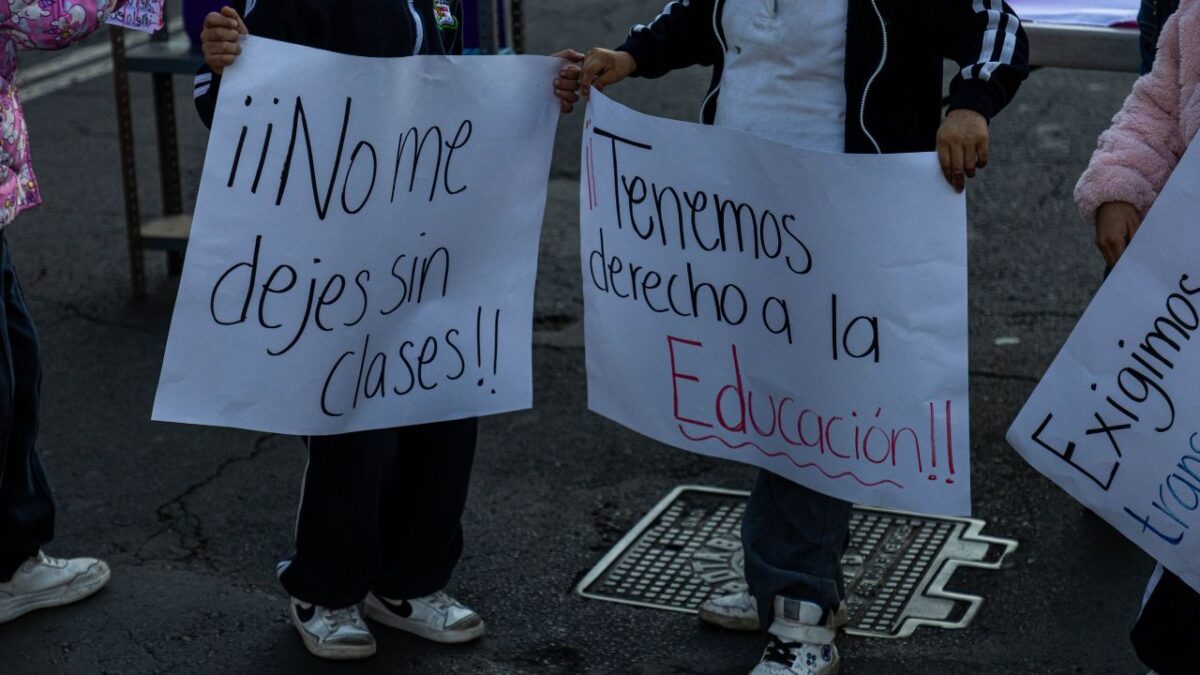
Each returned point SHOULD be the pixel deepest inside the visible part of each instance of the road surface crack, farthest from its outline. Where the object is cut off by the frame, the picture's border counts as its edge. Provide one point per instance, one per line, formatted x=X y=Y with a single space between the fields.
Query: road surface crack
x=175 y=516
x=79 y=313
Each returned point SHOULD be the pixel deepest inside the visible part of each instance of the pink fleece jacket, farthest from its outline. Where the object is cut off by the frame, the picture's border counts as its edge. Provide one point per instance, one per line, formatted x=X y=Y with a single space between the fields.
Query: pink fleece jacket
x=32 y=24
x=1139 y=151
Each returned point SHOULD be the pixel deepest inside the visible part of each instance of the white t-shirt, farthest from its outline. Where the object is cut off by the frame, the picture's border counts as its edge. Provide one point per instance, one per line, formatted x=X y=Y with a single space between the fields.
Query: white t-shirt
x=784 y=76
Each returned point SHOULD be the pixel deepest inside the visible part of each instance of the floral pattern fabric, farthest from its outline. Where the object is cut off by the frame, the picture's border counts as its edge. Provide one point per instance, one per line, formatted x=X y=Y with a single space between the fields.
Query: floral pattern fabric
x=32 y=24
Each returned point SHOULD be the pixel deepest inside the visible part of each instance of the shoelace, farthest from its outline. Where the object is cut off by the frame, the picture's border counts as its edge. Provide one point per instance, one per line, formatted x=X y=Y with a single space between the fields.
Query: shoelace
x=779 y=652
x=346 y=615
x=43 y=559
x=442 y=601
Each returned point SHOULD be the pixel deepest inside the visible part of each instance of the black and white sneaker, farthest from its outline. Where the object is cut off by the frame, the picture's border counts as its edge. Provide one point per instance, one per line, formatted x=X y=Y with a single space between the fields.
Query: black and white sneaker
x=338 y=634
x=436 y=617
x=797 y=658
x=43 y=581
x=801 y=641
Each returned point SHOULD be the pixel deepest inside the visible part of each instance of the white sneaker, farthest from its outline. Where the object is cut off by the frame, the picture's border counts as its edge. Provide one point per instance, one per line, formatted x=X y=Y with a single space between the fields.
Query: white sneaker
x=338 y=634
x=43 y=581
x=739 y=611
x=436 y=617
x=801 y=641
x=735 y=611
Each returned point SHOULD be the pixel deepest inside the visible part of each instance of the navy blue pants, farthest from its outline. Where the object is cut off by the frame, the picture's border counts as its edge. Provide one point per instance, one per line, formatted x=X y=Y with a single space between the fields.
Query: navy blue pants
x=26 y=505
x=794 y=538
x=381 y=512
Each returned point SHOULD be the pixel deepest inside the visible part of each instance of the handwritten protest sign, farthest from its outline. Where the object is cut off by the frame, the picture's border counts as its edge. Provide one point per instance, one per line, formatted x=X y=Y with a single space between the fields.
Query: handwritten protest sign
x=143 y=15
x=1115 y=421
x=365 y=243
x=800 y=311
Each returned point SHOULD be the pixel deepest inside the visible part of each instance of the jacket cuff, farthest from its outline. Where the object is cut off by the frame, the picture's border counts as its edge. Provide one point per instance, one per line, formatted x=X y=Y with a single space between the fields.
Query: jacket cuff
x=1103 y=183
x=985 y=98
x=642 y=56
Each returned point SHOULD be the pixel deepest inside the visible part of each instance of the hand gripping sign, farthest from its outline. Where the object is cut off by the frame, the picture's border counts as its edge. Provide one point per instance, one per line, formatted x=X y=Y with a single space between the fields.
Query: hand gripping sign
x=1115 y=421
x=800 y=311
x=365 y=243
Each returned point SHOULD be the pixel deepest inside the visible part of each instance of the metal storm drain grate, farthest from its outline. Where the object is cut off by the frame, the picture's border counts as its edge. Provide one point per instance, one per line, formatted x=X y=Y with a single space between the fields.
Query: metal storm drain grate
x=688 y=548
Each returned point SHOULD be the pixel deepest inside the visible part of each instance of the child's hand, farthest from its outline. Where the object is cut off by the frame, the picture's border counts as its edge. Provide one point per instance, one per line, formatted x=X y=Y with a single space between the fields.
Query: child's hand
x=962 y=146
x=1116 y=223
x=603 y=67
x=566 y=85
x=219 y=39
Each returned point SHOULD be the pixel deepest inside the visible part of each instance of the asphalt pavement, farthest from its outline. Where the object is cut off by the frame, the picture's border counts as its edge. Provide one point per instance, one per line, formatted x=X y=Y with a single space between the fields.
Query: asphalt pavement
x=193 y=519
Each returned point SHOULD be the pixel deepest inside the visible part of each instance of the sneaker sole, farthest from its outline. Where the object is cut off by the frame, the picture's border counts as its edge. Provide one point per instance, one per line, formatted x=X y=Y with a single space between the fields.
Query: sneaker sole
x=332 y=652
x=381 y=615
x=727 y=622
x=53 y=597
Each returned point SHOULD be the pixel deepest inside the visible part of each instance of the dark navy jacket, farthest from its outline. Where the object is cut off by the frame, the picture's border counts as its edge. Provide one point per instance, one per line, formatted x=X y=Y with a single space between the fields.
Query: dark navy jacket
x=894 y=55
x=358 y=28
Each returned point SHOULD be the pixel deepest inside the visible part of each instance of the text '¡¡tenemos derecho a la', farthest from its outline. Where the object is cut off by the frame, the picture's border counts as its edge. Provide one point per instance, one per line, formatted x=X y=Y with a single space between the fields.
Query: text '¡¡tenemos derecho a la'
x=700 y=222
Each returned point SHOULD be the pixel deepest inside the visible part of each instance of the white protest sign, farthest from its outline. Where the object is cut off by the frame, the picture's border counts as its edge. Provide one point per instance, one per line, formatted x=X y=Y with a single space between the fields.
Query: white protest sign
x=143 y=15
x=365 y=243
x=1115 y=419
x=800 y=311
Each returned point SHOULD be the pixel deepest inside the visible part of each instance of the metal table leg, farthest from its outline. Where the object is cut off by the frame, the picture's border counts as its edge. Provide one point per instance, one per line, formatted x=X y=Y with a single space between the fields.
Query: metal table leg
x=168 y=156
x=517 y=7
x=133 y=216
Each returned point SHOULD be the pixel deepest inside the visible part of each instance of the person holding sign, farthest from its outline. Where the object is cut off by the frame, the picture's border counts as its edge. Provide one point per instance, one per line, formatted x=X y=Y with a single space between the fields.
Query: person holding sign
x=29 y=579
x=379 y=516
x=856 y=76
x=1129 y=169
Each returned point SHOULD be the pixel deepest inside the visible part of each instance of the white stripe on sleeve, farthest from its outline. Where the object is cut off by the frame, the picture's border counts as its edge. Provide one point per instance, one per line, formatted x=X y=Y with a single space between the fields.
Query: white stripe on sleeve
x=666 y=11
x=1006 y=52
x=996 y=15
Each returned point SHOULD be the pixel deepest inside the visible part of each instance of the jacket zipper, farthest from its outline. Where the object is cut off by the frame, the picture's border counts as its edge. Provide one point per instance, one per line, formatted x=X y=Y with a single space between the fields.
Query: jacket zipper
x=420 y=40
x=862 y=107
x=717 y=33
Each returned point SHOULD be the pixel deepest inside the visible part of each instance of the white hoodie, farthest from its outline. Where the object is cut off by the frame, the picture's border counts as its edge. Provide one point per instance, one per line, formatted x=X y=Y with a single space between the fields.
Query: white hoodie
x=785 y=71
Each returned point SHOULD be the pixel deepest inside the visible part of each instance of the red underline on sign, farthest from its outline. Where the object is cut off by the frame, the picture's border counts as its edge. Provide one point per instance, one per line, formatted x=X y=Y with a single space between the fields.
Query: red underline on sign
x=798 y=465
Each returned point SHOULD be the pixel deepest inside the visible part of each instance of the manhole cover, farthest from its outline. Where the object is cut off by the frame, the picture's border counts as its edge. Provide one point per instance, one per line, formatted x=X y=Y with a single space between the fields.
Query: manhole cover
x=897 y=565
